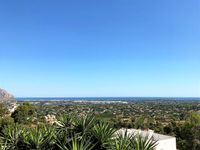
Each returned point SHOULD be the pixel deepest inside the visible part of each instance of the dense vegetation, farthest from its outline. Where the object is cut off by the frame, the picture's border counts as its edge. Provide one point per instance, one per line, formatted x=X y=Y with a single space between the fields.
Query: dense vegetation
x=27 y=128
x=71 y=132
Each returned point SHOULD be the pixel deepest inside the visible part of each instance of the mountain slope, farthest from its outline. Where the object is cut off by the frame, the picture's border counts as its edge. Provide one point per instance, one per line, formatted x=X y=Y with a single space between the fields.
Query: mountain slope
x=6 y=97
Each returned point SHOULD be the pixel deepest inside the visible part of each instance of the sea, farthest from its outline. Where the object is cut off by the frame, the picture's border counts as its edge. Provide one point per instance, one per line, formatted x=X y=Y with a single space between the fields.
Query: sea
x=107 y=98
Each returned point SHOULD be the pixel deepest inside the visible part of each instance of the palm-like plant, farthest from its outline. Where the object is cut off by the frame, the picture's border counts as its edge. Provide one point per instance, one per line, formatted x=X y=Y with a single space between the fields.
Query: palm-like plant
x=143 y=143
x=102 y=135
x=132 y=142
x=72 y=132
x=64 y=130
x=10 y=136
x=83 y=124
x=4 y=145
x=65 y=121
x=82 y=133
x=76 y=144
x=122 y=142
x=39 y=138
x=82 y=144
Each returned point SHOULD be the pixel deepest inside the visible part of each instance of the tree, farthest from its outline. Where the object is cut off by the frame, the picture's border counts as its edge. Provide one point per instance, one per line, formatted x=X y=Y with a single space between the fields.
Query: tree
x=24 y=113
x=187 y=134
x=193 y=118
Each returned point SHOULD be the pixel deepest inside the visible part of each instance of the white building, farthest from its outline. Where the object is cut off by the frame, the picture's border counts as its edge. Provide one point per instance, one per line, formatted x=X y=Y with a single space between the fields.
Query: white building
x=164 y=142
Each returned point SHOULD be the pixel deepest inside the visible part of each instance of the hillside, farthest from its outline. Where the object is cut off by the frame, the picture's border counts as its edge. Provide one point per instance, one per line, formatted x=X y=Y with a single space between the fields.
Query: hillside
x=6 y=97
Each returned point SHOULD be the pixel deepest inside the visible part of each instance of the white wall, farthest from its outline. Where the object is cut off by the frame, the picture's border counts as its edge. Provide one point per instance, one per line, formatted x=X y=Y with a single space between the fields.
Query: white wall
x=166 y=144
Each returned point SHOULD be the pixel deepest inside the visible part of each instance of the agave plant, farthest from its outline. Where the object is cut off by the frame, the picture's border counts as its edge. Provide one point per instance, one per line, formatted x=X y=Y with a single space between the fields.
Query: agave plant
x=83 y=124
x=65 y=121
x=4 y=145
x=10 y=136
x=39 y=138
x=132 y=142
x=102 y=135
x=76 y=143
x=143 y=143
x=64 y=130
x=82 y=144
x=122 y=142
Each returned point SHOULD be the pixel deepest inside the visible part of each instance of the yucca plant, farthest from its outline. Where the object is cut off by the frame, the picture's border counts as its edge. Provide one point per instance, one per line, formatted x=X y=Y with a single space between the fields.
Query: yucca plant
x=83 y=124
x=10 y=137
x=64 y=130
x=4 y=145
x=132 y=141
x=121 y=142
x=39 y=138
x=76 y=143
x=102 y=135
x=81 y=144
x=143 y=143
x=65 y=121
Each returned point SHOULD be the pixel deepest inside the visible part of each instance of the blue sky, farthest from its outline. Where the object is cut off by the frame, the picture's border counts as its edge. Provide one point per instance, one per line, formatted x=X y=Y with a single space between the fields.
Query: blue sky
x=100 y=47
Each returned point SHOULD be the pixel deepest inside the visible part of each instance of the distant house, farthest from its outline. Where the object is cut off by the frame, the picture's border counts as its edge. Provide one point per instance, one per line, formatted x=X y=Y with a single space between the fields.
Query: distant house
x=164 y=142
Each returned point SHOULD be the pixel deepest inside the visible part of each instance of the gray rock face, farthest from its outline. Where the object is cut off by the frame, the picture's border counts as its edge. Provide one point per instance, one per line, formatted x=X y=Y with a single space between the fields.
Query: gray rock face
x=6 y=98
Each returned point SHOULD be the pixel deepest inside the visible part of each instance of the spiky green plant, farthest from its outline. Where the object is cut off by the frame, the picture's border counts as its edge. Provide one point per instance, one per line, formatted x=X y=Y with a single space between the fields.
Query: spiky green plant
x=102 y=135
x=65 y=121
x=4 y=145
x=10 y=136
x=83 y=124
x=143 y=143
x=83 y=133
x=122 y=141
x=132 y=142
x=64 y=129
x=74 y=127
x=39 y=138
x=76 y=144
x=81 y=144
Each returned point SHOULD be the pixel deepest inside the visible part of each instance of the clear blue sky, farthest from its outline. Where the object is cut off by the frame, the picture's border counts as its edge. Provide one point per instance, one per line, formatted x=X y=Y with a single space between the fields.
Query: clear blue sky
x=100 y=47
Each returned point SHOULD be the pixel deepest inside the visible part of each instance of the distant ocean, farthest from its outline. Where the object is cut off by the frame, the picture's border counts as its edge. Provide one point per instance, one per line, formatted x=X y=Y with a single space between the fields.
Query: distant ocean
x=105 y=98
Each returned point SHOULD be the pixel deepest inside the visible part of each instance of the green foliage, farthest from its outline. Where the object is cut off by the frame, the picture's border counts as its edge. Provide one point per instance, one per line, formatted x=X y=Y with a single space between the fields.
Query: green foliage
x=6 y=121
x=193 y=118
x=11 y=136
x=82 y=144
x=102 y=134
x=187 y=133
x=82 y=125
x=140 y=143
x=132 y=142
x=76 y=143
x=76 y=131
x=122 y=142
x=79 y=133
x=3 y=110
x=163 y=116
x=39 y=138
x=24 y=113
x=65 y=121
x=4 y=145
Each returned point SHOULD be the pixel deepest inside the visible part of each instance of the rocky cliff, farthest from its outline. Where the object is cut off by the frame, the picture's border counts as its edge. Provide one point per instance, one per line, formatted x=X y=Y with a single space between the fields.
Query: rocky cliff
x=6 y=97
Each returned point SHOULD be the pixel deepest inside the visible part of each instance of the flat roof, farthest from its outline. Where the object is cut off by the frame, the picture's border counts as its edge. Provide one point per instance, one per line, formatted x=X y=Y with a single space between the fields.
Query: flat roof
x=144 y=133
x=158 y=137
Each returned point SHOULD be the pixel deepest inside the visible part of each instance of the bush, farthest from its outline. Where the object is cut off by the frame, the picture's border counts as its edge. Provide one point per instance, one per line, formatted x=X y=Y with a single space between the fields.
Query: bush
x=24 y=113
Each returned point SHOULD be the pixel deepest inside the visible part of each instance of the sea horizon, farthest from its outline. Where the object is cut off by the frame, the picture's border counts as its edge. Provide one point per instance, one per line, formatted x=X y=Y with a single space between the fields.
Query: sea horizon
x=104 y=98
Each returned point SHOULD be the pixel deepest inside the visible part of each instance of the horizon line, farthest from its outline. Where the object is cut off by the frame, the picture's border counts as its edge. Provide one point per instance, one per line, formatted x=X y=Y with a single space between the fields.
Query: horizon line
x=107 y=97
